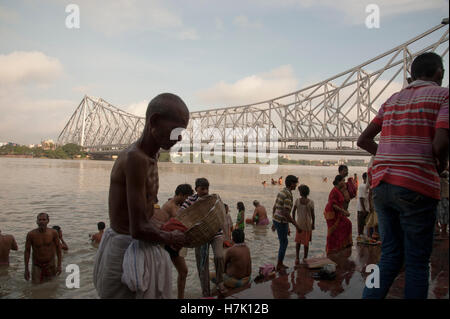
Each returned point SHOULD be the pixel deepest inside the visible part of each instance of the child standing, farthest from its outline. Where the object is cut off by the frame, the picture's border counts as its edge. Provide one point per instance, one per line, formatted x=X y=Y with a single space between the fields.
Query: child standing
x=240 y=221
x=305 y=220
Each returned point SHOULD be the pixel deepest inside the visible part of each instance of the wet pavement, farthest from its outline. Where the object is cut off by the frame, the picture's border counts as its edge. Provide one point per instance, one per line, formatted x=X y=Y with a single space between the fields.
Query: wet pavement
x=299 y=283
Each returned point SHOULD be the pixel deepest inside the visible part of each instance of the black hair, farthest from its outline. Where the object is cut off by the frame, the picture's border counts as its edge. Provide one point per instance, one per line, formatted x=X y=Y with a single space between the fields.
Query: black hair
x=163 y=104
x=201 y=182
x=48 y=217
x=56 y=227
x=255 y=202
x=101 y=225
x=364 y=175
x=342 y=167
x=290 y=180
x=304 y=190
x=337 y=179
x=184 y=189
x=240 y=206
x=426 y=65
x=238 y=236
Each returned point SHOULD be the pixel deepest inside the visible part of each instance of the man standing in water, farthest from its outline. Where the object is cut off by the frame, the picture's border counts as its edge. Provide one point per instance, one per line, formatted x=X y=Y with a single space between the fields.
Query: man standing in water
x=46 y=244
x=7 y=242
x=133 y=192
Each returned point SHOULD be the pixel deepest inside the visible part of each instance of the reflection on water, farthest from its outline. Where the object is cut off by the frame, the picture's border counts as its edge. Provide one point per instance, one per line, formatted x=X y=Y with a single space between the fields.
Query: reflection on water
x=75 y=194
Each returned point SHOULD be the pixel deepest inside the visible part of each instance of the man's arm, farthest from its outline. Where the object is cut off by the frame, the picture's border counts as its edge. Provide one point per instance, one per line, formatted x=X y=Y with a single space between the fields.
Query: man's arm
x=140 y=227
x=27 y=256
x=14 y=244
x=440 y=149
x=366 y=140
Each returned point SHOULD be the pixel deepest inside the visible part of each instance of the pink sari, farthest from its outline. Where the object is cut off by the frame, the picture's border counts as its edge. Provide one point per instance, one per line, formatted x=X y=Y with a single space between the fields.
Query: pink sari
x=339 y=233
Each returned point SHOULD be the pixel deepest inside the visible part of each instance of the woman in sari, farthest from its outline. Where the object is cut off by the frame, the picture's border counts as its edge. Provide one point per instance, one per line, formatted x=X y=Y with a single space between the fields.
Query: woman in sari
x=339 y=234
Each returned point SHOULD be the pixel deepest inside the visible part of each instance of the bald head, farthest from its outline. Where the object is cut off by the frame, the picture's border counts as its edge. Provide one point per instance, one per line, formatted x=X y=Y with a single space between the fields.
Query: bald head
x=169 y=106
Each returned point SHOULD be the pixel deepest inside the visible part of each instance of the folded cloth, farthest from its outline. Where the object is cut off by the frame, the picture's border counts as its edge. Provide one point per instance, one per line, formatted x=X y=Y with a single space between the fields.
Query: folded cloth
x=108 y=266
x=266 y=270
x=147 y=270
x=174 y=224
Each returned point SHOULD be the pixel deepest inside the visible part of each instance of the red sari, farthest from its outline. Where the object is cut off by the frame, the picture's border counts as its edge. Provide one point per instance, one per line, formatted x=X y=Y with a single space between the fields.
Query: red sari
x=339 y=233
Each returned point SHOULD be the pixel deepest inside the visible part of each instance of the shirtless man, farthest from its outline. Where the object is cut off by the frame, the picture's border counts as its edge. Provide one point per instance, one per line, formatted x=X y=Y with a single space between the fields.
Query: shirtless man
x=60 y=235
x=259 y=215
x=169 y=210
x=238 y=262
x=7 y=242
x=97 y=238
x=46 y=244
x=133 y=192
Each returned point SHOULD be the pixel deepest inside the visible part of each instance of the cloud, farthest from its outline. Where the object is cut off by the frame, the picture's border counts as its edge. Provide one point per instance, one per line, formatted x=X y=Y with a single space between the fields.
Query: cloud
x=138 y=108
x=122 y=16
x=27 y=120
x=219 y=24
x=253 y=88
x=243 y=22
x=7 y=15
x=28 y=67
x=188 y=34
x=354 y=12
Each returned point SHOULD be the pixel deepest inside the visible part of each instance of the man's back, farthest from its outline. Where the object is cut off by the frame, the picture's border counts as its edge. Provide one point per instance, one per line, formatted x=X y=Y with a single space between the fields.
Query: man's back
x=409 y=120
x=238 y=261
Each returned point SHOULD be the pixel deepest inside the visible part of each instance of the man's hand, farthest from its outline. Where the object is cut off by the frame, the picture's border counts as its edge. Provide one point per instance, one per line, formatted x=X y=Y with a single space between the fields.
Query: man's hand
x=27 y=274
x=177 y=239
x=289 y=232
x=58 y=270
x=273 y=227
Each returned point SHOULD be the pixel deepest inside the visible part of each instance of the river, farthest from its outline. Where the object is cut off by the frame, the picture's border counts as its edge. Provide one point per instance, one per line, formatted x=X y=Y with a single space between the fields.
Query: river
x=74 y=194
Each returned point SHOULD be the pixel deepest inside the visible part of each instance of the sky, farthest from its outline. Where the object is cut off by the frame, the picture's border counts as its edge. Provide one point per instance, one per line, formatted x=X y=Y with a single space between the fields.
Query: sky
x=210 y=53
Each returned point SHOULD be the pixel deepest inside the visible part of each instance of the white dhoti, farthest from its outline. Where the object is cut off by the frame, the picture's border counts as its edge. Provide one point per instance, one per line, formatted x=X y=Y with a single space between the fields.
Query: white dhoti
x=147 y=270
x=108 y=266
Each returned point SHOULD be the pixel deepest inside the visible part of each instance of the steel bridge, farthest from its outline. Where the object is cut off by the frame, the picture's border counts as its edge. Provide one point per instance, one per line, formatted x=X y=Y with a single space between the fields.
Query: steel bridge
x=324 y=118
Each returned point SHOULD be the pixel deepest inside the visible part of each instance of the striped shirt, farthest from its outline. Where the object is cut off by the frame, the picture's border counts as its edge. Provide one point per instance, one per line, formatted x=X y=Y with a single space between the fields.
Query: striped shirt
x=284 y=202
x=191 y=200
x=408 y=121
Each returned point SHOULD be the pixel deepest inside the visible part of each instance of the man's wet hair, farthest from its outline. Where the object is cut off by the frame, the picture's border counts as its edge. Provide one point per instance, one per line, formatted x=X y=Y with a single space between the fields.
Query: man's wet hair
x=240 y=206
x=48 y=217
x=184 y=189
x=56 y=227
x=304 y=190
x=163 y=104
x=426 y=65
x=337 y=179
x=342 y=167
x=201 y=182
x=291 y=180
x=238 y=236
x=101 y=225
x=364 y=175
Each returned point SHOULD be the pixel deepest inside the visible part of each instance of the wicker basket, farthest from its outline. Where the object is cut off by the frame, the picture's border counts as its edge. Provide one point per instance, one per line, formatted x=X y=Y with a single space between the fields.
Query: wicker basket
x=203 y=219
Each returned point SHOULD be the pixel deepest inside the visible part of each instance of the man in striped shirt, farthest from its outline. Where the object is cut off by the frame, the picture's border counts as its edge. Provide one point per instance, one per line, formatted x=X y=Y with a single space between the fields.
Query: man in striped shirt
x=202 y=252
x=412 y=152
x=282 y=217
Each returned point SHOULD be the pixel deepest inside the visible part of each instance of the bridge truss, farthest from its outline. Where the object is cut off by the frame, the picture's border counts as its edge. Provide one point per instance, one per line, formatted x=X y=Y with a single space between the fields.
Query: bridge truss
x=327 y=115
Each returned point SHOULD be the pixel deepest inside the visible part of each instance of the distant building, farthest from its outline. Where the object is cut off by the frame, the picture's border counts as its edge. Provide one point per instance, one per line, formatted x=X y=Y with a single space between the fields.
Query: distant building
x=31 y=146
x=48 y=145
